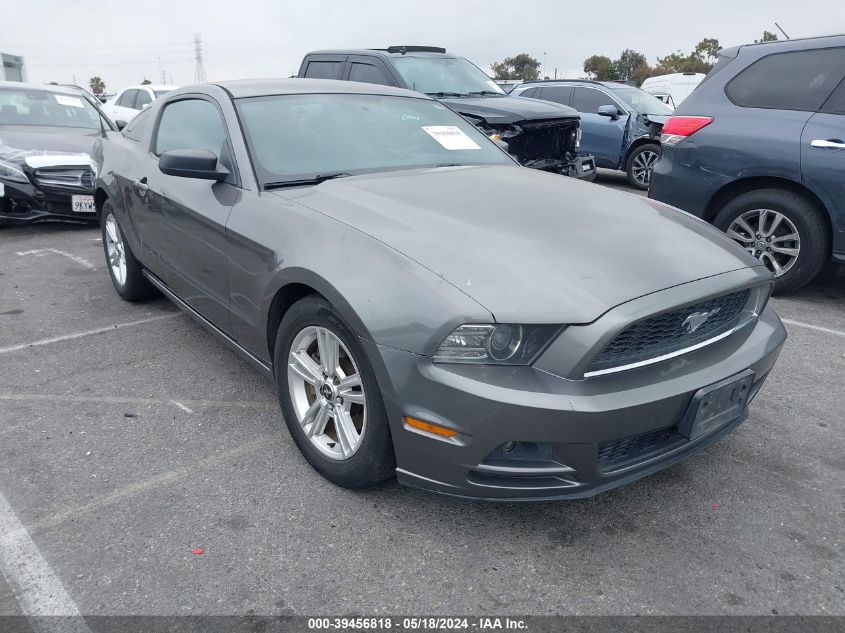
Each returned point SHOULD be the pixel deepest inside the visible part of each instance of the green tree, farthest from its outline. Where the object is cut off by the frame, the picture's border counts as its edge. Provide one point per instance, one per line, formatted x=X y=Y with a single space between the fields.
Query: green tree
x=767 y=37
x=146 y=82
x=631 y=65
x=521 y=66
x=600 y=68
x=98 y=86
x=708 y=50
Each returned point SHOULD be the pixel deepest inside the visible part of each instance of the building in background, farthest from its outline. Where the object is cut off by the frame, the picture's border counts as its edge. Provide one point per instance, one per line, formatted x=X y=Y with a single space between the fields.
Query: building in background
x=13 y=68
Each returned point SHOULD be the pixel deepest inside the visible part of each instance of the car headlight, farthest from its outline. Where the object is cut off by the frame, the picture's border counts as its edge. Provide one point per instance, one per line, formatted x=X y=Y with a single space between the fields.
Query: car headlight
x=8 y=171
x=499 y=344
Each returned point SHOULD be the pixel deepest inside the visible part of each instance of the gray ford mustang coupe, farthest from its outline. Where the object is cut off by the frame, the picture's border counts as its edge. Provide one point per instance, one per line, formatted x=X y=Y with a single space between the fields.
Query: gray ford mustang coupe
x=426 y=306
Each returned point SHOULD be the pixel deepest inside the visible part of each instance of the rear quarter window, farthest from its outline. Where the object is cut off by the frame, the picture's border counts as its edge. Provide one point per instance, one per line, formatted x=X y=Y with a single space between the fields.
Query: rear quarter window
x=796 y=80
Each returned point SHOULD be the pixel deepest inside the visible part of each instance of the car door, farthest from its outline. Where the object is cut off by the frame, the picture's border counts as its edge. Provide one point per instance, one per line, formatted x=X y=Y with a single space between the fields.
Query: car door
x=185 y=224
x=143 y=99
x=601 y=136
x=124 y=105
x=823 y=159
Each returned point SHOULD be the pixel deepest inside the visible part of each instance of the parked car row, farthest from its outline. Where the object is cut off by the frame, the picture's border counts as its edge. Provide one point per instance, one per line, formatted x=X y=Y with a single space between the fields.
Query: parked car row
x=127 y=103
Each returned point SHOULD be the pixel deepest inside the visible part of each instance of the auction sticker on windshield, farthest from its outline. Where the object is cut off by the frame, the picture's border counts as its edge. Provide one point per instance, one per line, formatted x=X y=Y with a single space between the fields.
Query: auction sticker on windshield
x=74 y=102
x=450 y=137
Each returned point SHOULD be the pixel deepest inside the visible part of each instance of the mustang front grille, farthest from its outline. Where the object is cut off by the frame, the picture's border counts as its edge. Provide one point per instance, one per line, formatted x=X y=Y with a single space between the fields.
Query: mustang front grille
x=672 y=331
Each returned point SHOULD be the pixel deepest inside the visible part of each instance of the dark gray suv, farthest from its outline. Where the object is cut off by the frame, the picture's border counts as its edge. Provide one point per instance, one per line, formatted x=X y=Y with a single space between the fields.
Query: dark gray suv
x=759 y=150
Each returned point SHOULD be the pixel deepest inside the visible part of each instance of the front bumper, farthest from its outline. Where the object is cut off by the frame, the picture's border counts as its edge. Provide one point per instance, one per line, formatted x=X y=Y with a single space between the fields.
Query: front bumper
x=24 y=203
x=574 y=438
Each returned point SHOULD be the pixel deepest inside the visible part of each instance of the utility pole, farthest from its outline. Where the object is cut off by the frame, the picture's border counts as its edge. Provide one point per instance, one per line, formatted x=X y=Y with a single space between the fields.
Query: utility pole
x=199 y=70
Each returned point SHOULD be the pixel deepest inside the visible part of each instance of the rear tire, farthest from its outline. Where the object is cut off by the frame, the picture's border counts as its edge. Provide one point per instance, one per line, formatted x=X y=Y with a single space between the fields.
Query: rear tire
x=125 y=271
x=640 y=164
x=343 y=432
x=799 y=216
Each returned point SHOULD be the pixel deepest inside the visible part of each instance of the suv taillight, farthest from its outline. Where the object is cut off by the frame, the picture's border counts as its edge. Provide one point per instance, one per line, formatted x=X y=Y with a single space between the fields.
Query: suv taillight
x=677 y=128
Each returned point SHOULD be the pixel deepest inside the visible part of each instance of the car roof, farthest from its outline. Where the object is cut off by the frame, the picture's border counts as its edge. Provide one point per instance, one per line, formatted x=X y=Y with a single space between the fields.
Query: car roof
x=152 y=87
x=242 y=88
x=798 y=43
x=62 y=90
x=382 y=52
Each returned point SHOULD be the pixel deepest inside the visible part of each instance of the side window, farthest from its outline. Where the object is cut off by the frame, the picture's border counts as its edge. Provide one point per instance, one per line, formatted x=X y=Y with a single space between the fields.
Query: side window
x=558 y=94
x=143 y=99
x=127 y=99
x=367 y=73
x=799 y=80
x=192 y=124
x=836 y=103
x=137 y=127
x=589 y=100
x=533 y=93
x=324 y=70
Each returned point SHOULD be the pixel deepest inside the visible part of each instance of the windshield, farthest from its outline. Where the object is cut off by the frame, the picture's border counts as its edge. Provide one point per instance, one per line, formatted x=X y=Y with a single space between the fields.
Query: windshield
x=24 y=106
x=297 y=137
x=448 y=75
x=640 y=100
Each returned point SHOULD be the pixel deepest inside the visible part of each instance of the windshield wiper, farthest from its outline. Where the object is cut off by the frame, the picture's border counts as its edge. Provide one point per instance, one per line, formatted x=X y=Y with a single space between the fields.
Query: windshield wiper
x=440 y=95
x=483 y=93
x=316 y=180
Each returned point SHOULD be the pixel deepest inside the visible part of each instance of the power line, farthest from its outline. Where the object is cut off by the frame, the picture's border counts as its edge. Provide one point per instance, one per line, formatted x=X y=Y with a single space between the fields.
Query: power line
x=199 y=70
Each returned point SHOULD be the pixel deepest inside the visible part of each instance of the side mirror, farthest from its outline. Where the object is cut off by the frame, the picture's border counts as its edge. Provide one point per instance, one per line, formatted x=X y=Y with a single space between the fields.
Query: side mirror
x=145 y=106
x=120 y=123
x=609 y=111
x=192 y=163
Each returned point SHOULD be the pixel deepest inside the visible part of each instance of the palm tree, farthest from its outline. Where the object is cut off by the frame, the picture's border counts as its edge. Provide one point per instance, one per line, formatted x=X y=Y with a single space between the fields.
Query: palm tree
x=98 y=86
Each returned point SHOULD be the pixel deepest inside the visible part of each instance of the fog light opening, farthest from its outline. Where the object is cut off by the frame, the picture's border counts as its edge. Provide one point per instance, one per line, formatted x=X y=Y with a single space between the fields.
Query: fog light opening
x=507 y=447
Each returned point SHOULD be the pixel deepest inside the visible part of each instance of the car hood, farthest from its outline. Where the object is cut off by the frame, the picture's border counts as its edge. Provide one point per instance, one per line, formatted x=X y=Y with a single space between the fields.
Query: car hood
x=529 y=246
x=19 y=142
x=506 y=110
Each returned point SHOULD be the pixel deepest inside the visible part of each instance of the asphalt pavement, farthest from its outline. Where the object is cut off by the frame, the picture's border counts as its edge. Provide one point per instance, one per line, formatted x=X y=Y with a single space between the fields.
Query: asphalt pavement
x=145 y=469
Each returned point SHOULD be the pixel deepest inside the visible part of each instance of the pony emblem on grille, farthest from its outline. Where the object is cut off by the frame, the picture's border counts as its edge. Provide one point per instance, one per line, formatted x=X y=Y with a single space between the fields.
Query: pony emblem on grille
x=697 y=319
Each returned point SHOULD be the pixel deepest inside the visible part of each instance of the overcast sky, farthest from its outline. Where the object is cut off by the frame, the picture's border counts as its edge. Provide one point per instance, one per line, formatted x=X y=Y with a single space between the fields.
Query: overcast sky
x=124 y=42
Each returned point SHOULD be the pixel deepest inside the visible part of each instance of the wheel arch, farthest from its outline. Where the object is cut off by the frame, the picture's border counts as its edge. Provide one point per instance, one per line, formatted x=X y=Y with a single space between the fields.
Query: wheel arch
x=636 y=143
x=738 y=187
x=100 y=197
x=297 y=284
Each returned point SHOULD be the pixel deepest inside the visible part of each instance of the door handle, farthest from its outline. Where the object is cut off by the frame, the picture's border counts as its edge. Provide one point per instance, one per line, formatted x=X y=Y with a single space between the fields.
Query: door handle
x=828 y=144
x=141 y=186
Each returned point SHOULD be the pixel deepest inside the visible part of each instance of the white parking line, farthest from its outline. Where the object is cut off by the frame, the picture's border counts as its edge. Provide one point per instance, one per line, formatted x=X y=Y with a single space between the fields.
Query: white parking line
x=101 y=330
x=182 y=406
x=76 y=258
x=36 y=586
x=816 y=328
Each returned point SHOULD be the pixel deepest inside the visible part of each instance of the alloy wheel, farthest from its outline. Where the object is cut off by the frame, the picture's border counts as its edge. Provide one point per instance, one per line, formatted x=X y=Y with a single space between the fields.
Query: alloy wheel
x=327 y=392
x=115 y=249
x=642 y=165
x=769 y=236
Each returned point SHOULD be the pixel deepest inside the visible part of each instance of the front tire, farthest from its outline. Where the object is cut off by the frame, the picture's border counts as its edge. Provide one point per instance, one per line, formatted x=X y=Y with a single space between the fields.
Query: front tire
x=640 y=164
x=783 y=230
x=330 y=398
x=126 y=272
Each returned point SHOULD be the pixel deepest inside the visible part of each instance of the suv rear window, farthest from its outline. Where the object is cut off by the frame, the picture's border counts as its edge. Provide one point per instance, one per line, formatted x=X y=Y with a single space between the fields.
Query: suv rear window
x=798 y=80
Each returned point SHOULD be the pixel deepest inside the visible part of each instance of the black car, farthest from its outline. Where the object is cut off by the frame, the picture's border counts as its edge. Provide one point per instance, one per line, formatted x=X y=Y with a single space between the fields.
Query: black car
x=538 y=134
x=46 y=137
x=757 y=149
